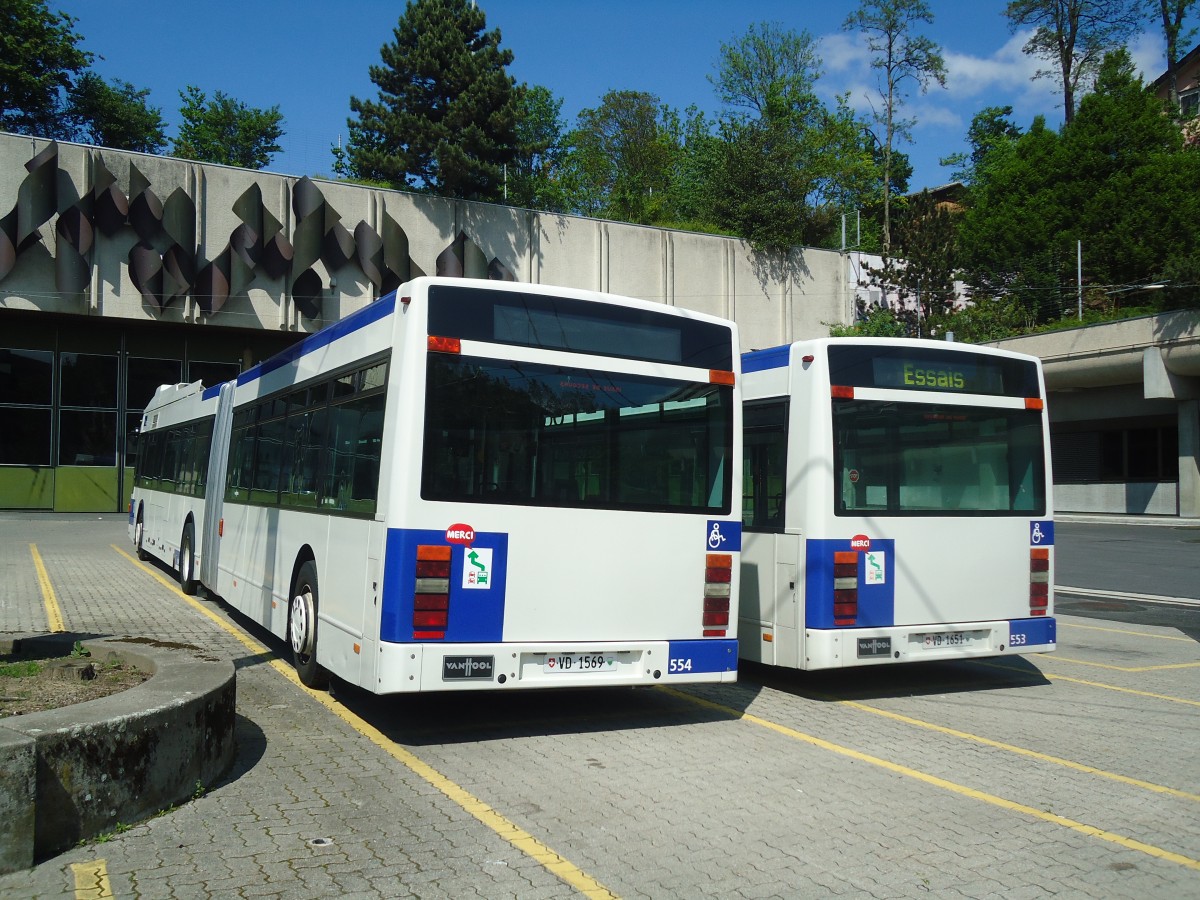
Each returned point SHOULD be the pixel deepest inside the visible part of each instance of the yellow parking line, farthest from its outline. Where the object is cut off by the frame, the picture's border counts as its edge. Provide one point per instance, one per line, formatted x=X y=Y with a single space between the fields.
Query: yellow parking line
x=1004 y=667
x=91 y=880
x=49 y=600
x=1022 y=751
x=1157 y=637
x=1096 y=665
x=1122 y=690
x=1121 y=840
x=503 y=827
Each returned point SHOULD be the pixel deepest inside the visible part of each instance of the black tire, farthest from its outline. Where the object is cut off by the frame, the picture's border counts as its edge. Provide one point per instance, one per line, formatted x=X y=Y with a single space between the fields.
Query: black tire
x=302 y=629
x=187 y=560
x=139 y=535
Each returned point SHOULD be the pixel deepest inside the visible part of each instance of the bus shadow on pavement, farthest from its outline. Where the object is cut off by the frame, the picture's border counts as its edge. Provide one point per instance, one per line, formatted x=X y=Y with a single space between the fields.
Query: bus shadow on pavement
x=909 y=680
x=465 y=717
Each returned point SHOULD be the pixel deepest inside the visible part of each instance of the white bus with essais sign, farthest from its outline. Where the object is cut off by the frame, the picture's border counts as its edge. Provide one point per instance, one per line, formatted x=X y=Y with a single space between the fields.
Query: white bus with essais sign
x=897 y=504
x=467 y=485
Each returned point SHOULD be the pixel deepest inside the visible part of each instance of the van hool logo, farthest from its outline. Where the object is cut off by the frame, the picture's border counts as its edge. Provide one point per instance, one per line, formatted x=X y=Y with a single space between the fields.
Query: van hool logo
x=464 y=667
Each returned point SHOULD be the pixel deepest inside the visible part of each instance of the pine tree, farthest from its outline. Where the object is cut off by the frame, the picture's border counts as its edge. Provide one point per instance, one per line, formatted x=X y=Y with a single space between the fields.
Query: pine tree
x=445 y=119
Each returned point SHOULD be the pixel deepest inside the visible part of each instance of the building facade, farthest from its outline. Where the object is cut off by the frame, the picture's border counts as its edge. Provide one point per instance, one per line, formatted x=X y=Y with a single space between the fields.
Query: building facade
x=122 y=271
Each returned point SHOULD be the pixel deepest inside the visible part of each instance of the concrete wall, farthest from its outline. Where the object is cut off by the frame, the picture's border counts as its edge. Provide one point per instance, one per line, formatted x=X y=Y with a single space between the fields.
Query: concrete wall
x=774 y=298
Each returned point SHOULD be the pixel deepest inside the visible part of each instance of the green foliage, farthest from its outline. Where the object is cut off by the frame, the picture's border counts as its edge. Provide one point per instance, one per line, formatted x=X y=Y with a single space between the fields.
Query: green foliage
x=878 y=321
x=985 y=320
x=1117 y=179
x=445 y=120
x=226 y=131
x=116 y=115
x=78 y=651
x=623 y=158
x=989 y=129
x=783 y=166
x=39 y=61
x=535 y=178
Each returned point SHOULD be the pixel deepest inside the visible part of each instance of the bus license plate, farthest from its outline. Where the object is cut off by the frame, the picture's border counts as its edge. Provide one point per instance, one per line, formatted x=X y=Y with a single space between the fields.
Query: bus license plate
x=568 y=663
x=944 y=639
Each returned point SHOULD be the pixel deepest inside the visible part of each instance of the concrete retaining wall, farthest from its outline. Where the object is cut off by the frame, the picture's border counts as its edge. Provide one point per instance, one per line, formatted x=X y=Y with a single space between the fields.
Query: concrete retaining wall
x=70 y=774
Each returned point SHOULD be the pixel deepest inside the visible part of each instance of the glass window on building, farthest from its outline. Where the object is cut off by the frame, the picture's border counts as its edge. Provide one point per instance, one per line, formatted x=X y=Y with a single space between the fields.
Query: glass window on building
x=212 y=373
x=87 y=433
x=26 y=394
x=144 y=376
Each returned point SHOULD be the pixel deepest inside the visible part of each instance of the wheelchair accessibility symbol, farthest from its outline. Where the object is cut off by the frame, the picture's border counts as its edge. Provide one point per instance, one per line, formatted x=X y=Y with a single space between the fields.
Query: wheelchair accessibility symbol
x=715 y=538
x=1041 y=534
x=724 y=536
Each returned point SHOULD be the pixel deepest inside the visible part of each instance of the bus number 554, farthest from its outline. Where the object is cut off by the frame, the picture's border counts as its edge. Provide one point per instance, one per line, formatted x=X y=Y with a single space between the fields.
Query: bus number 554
x=682 y=664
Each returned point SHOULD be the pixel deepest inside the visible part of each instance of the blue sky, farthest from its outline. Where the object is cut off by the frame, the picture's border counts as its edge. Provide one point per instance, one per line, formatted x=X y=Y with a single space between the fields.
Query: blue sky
x=309 y=58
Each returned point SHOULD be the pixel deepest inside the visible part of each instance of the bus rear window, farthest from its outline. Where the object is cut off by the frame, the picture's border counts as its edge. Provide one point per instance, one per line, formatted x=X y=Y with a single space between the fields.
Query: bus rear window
x=913 y=459
x=577 y=326
x=538 y=435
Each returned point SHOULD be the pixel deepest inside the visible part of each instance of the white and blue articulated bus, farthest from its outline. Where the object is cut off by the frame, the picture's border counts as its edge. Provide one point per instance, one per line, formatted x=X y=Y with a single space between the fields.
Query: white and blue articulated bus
x=467 y=485
x=896 y=504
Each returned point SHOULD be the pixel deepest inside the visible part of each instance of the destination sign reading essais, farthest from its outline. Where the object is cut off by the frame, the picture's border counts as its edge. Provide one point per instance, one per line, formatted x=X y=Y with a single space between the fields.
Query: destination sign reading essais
x=963 y=376
x=931 y=369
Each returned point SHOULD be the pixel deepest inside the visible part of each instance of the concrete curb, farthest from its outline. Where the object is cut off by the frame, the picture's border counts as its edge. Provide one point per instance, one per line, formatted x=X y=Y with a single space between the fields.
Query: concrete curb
x=70 y=774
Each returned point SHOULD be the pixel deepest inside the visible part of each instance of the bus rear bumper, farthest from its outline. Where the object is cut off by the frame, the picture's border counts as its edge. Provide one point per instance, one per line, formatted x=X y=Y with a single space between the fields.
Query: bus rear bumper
x=845 y=647
x=407 y=668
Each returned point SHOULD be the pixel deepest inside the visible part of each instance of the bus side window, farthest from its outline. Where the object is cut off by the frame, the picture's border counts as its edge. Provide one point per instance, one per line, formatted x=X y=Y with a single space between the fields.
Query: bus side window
x=765 y=465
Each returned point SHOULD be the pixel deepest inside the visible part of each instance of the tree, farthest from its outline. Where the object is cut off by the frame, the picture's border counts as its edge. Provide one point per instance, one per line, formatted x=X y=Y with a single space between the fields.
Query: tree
x=989 y=128
x=226 y=131
x=115 y=115
x=39 y=61
x=1171 y=14
x=767 y=61
x=1073 y=36
x=788 y=166
x=534 y=179
x=924 y=269
x=623 y=156
x=1117 y=180
x=901 y=56
x=446 y=117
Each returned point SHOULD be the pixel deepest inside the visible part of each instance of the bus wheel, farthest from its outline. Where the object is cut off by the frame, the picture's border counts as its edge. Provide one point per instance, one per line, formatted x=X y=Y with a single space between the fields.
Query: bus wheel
x=187 y=561
x=302 y=629
x=139 y=534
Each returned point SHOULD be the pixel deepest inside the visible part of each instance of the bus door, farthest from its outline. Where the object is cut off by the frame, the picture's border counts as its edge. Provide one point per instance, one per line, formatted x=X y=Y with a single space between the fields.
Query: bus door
x=770 y=620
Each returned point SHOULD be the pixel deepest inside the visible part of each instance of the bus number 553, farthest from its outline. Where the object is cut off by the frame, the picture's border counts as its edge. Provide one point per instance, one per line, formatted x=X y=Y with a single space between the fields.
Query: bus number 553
x=680 y=665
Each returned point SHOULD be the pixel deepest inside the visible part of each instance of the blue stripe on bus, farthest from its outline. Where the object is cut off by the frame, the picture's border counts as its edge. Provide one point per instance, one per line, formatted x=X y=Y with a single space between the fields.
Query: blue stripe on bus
x=689 y=657
x=1031 y=633
x=876 y=602
x=772 y=358
x=373 y=312
x=476 y=615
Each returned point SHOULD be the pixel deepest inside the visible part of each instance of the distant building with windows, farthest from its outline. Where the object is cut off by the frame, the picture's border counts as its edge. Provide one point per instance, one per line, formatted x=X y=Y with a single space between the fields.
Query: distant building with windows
x=1187 y=83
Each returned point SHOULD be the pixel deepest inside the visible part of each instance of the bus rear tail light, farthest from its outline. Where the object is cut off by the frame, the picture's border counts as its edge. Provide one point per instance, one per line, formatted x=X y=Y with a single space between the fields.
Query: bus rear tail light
x=444 y=344
x=431 y=596
x=718 y=582
x=1039 y=580
x=845 y=587
x=842 y=392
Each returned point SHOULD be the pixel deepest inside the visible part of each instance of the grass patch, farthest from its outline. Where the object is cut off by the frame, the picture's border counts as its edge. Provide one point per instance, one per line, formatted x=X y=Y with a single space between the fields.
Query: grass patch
x=24 y=669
